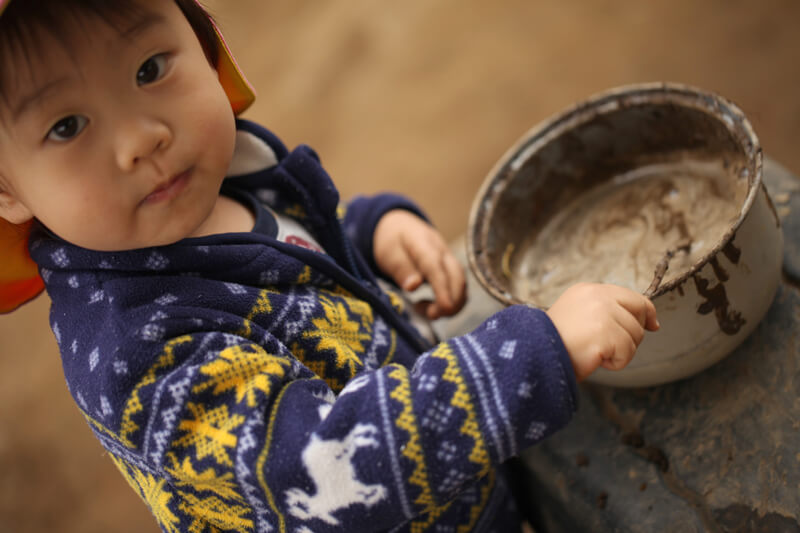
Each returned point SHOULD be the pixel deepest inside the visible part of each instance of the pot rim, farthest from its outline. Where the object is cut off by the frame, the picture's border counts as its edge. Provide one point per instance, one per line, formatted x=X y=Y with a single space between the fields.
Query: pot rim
x=722 y=109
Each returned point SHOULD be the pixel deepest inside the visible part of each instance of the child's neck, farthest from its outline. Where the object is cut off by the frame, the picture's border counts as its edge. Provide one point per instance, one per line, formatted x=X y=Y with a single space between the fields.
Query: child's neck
x=228 y=216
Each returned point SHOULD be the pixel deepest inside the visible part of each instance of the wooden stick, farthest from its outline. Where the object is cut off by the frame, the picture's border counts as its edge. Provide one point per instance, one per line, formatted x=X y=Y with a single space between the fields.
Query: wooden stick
x=663 y=265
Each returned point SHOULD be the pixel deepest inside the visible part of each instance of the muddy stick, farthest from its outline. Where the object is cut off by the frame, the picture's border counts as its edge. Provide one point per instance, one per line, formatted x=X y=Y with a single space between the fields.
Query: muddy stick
x=663 y=265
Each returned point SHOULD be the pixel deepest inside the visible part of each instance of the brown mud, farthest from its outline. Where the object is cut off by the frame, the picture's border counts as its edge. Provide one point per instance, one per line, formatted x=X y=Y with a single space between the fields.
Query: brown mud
x=619 y=231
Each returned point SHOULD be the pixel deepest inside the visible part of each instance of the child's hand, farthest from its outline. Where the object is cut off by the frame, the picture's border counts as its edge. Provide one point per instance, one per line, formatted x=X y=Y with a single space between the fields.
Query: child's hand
x=601 y=325
x=411 y=251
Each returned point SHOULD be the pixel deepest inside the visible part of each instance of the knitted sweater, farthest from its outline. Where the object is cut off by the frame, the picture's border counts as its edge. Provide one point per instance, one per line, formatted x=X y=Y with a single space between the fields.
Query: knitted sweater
x=244 y=384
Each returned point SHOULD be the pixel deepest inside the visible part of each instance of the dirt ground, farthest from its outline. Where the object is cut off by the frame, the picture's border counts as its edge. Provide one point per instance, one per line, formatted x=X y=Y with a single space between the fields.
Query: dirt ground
x=420 y=97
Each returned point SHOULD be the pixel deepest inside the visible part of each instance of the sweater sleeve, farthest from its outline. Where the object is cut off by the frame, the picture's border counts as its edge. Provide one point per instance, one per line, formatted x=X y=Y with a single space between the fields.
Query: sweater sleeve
x=222 y=423
x=362 y=215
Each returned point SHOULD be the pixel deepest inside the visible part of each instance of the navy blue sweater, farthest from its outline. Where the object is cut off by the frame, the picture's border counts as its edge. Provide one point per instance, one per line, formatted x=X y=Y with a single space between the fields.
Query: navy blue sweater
x=244 y=384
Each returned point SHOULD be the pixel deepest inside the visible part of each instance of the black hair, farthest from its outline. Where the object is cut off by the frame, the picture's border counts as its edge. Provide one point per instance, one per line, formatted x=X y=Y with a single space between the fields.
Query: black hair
x=22 y=19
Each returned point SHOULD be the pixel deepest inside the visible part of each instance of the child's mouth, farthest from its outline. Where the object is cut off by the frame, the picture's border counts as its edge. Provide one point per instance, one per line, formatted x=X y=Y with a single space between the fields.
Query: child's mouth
x=170 y=189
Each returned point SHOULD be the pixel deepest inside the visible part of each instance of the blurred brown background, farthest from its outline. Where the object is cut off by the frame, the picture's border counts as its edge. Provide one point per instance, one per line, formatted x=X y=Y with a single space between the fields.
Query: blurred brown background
x=420 y=97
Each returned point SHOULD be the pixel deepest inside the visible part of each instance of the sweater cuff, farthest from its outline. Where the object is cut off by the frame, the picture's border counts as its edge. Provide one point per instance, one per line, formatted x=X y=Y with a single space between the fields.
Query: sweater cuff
x=563 y=356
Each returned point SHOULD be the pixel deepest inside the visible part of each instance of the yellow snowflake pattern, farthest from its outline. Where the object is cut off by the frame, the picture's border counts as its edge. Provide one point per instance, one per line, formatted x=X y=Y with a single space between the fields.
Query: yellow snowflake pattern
x=210 y=432
x=357 y=306
x=212 y=514
x=319 y=368
x=245 y=369
x=337 y=332
x=262 y=306
x=207 y=480
x=155 y=493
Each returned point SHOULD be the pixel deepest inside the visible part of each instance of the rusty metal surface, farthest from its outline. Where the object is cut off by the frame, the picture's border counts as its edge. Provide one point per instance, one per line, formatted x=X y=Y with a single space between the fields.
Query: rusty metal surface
x=603 y=137
x=606 y=189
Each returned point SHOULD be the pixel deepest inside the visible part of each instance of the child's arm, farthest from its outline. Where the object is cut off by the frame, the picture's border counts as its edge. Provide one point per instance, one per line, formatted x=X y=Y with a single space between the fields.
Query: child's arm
x=601 y=325
x=411 y=251
x=233 y=419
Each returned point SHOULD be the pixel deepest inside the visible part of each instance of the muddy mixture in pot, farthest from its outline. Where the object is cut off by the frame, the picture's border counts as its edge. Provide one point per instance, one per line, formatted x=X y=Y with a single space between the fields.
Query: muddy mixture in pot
x=619 y=231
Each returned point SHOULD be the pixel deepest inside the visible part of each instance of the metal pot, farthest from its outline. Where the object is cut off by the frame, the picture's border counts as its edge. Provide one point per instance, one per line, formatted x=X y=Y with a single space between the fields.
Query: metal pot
x=708 y=304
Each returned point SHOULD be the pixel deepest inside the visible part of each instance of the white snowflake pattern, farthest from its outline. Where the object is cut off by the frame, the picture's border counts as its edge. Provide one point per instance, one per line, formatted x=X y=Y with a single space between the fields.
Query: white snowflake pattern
x=306 y=305
x=269 y=277
x=97 y=296
x=166 y=299
x=105 y=406
x=536 y=431
x=437 y=416
x=152 y=332
x=231 y=340
x=156 y=261
x=447 y=451
x=82 y=401
x=73 y=282
x=525 y=389
x=507 y=349
x=158 y=315
x=427 y=382
x=60 y=257
x=235 y=288
x=452 y=481
x=120 y=367
x=94 y=358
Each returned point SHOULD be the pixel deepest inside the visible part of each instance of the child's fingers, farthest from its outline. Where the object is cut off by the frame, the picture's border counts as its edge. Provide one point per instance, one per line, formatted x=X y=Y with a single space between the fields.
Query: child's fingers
x=399 y=266
x=651 y=322
x=629 y=323
x=624 y=338
x=427 y=257
x=623 y=353
x=640 y=307
x=424 y=308
x=436 y=275
x=410 y=280
x=458 y=282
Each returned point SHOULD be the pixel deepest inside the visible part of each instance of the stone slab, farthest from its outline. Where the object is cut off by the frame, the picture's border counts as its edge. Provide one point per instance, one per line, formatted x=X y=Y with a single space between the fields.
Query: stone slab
x=715 y=452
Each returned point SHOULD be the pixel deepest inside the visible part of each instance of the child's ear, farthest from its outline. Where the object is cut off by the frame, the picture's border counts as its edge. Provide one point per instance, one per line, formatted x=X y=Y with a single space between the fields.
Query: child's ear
x=12 y=209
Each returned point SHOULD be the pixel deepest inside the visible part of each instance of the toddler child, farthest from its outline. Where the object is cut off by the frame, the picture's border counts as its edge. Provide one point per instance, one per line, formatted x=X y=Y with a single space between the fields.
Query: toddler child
x=219 y=313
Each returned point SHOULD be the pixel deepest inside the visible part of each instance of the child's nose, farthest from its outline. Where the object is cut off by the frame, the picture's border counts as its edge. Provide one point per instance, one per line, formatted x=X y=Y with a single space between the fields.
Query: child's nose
x=140 y=140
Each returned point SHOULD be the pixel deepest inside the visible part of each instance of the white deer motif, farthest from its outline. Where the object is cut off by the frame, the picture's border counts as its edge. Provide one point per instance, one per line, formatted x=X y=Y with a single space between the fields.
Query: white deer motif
x=329 y=465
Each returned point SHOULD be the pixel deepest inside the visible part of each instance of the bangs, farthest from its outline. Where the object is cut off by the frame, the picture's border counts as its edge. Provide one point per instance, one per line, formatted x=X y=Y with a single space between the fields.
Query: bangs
x=25 y=22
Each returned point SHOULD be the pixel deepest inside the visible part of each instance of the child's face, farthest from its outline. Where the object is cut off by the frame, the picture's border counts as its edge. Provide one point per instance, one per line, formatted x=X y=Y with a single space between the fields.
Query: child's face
x=120 y=142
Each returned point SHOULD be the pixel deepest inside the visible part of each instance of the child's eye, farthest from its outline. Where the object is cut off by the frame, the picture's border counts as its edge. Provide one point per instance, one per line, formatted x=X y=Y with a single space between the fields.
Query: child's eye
x=152 y=70
x=67 y=128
